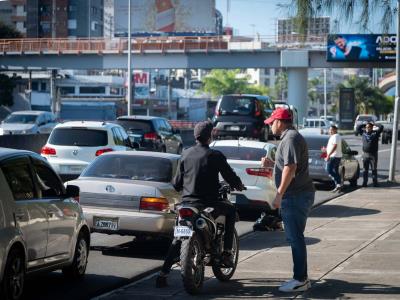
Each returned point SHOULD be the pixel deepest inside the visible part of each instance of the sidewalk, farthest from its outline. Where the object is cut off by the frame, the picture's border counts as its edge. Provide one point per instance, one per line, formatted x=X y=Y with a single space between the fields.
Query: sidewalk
x=353 y=247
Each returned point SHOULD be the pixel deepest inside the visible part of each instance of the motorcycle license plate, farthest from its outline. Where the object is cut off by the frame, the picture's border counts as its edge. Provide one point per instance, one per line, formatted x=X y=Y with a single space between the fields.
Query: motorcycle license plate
x=182 y=231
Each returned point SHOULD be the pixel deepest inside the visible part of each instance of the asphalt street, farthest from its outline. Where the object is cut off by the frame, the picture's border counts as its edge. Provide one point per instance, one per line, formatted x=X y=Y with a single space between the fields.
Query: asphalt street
x=117 y=260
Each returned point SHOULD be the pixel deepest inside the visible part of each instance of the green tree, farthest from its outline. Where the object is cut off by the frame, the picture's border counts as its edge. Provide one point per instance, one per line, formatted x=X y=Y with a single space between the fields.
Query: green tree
x=221 y=82
x=302 y=10
x=281 y=86
x=369 y=99
x=7 y=32
x=6 y=89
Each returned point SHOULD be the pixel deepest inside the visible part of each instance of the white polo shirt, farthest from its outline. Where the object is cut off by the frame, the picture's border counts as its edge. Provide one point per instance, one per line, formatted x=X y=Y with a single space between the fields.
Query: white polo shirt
x=335 y=139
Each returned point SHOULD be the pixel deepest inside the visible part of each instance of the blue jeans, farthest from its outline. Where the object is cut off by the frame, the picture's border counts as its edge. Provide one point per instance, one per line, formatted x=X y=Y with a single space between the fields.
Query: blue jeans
x=295 y=209
x=332 y=167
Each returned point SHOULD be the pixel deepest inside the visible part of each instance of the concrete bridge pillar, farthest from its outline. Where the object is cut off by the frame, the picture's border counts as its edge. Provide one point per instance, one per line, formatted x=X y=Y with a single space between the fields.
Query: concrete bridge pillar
x=297 y=63
x=297 y=91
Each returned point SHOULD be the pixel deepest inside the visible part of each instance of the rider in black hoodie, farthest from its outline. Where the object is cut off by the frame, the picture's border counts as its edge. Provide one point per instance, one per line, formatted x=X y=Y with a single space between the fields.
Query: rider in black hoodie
x=370 y=140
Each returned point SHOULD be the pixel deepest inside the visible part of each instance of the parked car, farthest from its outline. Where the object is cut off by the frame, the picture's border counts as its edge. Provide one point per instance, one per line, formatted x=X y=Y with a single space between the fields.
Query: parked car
x=73 y=145
x=28 y=122
x=130 y=193
x=315 y=126
x=242 y=116
x=244 y=156
x=360 y=122
x=42 y=227
x=388 y=131
x=152 y=133
x=349 y=168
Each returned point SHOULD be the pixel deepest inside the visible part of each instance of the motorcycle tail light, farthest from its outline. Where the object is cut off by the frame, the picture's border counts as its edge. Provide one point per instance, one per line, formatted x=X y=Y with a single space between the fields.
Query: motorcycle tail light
x=154 y=203
x=185 y=212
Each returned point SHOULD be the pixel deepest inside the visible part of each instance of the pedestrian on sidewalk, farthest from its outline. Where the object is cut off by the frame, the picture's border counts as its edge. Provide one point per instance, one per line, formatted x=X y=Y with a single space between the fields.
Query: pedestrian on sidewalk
x=295 y=193
x=333 y=157
x=370 y=142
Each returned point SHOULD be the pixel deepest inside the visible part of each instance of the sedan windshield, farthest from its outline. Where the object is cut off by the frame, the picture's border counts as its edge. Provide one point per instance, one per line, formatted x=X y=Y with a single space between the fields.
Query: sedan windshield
x=145 y=168
x=241 y=153
x=21 y=119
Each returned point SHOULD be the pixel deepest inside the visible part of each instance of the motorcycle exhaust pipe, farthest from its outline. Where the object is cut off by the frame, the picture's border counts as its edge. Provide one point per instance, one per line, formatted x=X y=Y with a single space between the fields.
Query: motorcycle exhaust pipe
x=201 y=223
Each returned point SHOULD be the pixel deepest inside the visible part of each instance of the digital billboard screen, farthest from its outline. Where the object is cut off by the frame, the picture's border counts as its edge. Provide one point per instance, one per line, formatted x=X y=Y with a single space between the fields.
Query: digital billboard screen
x=361 y=47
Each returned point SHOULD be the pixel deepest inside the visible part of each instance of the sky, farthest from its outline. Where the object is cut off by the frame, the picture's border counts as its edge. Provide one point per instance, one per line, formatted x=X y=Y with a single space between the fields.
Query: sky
x=250 y=17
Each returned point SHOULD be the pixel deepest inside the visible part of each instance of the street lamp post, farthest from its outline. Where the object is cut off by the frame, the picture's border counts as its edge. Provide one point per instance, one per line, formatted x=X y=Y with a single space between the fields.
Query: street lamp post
x=392 y=167
x=129 y=60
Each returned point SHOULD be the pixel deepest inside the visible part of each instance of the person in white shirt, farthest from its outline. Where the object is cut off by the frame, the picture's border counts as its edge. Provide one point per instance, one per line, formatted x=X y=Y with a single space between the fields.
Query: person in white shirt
x=333 y=157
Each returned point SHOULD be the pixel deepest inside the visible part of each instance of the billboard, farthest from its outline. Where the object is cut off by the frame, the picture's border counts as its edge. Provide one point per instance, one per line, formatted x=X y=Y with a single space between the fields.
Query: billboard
x=165 y=16
x=141 y=84
x=361 y=47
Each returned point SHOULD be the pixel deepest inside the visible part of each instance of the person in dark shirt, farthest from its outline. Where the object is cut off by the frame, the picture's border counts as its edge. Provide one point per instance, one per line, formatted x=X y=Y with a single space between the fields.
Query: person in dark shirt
x=370 y=141
x=197 y=177
x=350 y=52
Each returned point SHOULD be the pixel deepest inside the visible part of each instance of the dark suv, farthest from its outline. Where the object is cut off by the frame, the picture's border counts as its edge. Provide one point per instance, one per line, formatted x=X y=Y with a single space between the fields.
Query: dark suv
x=242 y=116
x=152 y=133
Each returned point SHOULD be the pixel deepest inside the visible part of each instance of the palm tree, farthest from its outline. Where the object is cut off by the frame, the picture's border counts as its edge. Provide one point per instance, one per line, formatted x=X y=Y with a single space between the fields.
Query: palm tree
x=305 y=9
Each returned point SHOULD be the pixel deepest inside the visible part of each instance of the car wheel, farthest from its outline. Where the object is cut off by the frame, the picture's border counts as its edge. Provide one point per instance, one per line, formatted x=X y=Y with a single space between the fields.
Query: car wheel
x=14 y=276
x=78 y=267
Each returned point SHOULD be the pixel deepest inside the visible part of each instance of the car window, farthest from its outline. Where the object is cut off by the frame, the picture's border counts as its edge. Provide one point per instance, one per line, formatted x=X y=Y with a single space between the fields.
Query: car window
x=48 y=183
x=241 y=153
x=345 y=148
x=136 y=126
x=167 y=126
x=19 y=178
x=160 y=125
x=236 y=105
x=316 y=143
x=123 y=133
x=147 y=168
x=78 y=137
x=118 y=140
x=24 y=119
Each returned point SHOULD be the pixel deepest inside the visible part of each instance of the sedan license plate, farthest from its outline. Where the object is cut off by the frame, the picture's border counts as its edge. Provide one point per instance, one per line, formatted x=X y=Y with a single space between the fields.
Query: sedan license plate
x=182 y=231
x=235 y=128
x=103 y=223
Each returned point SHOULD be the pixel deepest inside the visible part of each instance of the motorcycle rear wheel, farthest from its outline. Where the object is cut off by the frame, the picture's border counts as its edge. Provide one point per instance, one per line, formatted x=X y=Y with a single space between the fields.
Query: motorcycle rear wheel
x=192 y=264
x=224 y=274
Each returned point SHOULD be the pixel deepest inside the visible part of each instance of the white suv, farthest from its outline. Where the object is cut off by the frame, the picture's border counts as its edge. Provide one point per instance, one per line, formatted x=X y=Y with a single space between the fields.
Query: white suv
x=73 y=145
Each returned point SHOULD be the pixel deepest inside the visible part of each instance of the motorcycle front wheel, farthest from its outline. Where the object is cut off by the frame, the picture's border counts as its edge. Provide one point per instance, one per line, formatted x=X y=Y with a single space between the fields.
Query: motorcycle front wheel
x=224 y=274
x=192 y=264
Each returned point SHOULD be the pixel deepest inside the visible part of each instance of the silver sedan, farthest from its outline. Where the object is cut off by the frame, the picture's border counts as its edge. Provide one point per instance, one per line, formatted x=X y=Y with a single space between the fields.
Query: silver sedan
x=349 y=168
x=130 y=193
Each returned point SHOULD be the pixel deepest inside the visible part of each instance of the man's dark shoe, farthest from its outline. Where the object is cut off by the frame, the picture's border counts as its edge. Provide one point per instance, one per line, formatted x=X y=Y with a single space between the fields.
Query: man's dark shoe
x=161 y=281
x=364 y=185
x=376 y=184
x=227 y=260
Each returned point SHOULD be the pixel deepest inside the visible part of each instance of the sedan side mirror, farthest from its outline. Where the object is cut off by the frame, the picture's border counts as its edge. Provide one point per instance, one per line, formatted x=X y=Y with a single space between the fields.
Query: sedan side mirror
x=72 y=191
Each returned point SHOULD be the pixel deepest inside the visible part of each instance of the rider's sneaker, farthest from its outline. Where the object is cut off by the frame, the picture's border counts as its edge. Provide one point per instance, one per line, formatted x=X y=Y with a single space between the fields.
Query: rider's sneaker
x=295 y=286
x=227 y=259
x=161 y=281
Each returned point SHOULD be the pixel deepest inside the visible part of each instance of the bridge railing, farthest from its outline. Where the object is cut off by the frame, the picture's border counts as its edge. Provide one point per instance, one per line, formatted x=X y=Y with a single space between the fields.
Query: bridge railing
x=112 y=45
x=143 y=44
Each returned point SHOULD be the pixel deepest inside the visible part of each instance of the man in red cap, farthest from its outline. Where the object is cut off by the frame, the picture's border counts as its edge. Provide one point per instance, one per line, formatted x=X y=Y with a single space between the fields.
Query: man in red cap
x=295 y=192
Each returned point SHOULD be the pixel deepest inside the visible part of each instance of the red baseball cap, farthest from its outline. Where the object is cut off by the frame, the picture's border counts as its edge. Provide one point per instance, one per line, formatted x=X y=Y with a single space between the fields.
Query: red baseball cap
x=279 y=114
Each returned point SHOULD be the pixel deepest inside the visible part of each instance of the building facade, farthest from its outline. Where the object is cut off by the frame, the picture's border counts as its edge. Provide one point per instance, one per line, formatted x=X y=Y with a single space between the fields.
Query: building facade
x=6 y=13
x=58 y=18
x=317 y=30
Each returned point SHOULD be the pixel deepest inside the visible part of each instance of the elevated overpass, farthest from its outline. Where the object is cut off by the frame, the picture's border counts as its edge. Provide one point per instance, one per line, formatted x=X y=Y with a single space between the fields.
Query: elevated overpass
x=216 y=52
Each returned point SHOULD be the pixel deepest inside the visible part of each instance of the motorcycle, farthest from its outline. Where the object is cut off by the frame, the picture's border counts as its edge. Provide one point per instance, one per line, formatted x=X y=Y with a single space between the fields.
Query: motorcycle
x=202 y=239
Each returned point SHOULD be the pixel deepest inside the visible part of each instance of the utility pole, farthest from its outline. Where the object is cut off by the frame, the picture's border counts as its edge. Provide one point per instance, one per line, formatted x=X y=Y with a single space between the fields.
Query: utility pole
x=325 y=96
x=392 y=166
x=89 y=20
x=53 y=20
x=129 y=60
